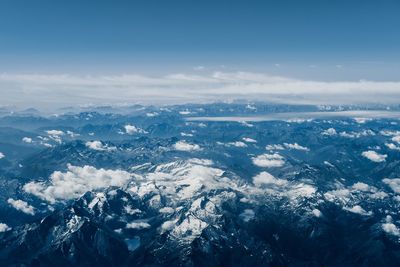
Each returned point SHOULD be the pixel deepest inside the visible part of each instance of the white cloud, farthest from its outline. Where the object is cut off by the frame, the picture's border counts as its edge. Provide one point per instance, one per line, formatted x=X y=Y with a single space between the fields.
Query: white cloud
x=132 y=129
x=389 y=227
x=152 y=114
x=341 y=195
x=394 y=184
x=359 y=186
x=138 y=225
x=300 y=190
x=317 y=213
x=4 y=227
x=55 y=132
x=329 y=132
x=166 y=210
x=27 y=140
x=99 y=146
x=249 y=140
x=237 y=144
x=186 y=134
x=75 y=182
x=374 y=156
x=168 y=226
x=131 y=211
x=296 y=146
x=274 y=147
x=269 y=160
x=21 y=206
x=184 y=146
x=392 y=146
x=396 y=139
x=67 y=89
x=265 y=178
x=358 y=210
x=357 y=134
x=362 y=120
x=389 y=133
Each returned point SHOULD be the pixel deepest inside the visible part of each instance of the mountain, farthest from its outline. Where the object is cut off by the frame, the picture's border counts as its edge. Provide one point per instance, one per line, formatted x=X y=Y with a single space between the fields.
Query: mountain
x=154 y=186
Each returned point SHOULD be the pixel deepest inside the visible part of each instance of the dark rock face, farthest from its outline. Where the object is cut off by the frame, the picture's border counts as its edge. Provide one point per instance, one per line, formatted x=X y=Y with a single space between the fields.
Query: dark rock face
x=63 y=238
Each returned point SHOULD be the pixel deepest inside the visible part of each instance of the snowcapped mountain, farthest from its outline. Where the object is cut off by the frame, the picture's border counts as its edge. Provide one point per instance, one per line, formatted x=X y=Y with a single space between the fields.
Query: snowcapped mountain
x=133 y=189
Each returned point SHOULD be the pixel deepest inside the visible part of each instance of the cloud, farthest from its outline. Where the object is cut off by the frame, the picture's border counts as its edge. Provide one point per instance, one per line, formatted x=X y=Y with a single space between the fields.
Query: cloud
x=359 y=186
x=357 y=134
x=265 y=178
x=362 y=120
x=132 y=129
x=274 y=147
x=296 y=146
x=168 y=226
x=166 y=210
x=357 y=209
x=99 y=146
x=138 y=225
x=4 y=227
x=67 y=89
x=389 y=227
x=269 y=160
x=21 y=206
x=75 y=182
x=317 y=213
x=394 y=184
x=373 y=156
x=392 y=146
x=184 y=146
x=249 y=140
x=237 y=144
x=329 y=132
x=55 y=132
x=342 y=195
x=27 y=140
x=396 y=139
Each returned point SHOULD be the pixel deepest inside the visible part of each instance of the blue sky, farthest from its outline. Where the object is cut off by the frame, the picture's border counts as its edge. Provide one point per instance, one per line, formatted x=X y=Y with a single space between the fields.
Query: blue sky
x=150 y=35
x=54 y=50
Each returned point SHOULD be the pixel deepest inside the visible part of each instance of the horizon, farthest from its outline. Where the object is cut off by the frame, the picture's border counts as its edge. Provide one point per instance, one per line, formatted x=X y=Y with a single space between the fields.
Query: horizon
x=75 y=53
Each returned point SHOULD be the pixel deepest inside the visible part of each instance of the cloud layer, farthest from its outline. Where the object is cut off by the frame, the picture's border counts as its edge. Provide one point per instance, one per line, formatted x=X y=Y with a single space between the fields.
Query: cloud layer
x=66 y=89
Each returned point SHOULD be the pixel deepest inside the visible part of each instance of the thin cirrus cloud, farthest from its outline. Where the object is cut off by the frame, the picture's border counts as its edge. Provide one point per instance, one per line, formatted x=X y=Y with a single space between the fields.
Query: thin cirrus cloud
x=67 y=89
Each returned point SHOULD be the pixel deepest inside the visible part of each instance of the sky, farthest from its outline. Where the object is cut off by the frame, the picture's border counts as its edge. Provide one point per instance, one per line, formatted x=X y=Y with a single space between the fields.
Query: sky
x=47 y=46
